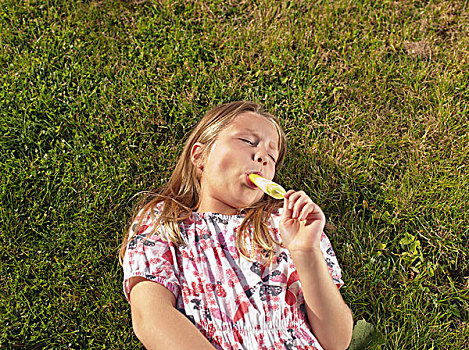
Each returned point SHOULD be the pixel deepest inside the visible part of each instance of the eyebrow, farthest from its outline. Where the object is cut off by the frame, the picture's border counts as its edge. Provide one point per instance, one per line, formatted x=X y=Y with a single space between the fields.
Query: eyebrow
x=255 y=133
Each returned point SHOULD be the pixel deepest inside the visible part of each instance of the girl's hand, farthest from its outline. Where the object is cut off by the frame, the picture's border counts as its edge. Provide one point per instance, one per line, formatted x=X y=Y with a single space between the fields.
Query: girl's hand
x=302 y=223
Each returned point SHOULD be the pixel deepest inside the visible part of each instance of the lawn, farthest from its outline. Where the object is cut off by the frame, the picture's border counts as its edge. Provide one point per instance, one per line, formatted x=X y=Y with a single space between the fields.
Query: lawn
x=96 y=98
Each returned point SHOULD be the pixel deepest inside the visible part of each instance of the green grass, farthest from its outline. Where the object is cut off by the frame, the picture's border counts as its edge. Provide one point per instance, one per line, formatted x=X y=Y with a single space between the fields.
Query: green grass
x=95 y=100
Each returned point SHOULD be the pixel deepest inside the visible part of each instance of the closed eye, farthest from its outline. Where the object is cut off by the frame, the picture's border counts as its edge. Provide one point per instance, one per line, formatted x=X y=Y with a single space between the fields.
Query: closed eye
x=253 y=144
x=248 y=141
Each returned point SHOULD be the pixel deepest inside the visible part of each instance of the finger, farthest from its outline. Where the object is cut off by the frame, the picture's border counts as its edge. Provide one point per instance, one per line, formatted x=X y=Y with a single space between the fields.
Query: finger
x=299 y=206
x=297 y=201
x=293 y=197
x=316 y=215
x=308 y=209
x=287 y=210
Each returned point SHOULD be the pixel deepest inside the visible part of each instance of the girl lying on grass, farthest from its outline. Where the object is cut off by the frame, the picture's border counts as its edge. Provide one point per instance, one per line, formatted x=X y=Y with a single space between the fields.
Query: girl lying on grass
x=211 y=261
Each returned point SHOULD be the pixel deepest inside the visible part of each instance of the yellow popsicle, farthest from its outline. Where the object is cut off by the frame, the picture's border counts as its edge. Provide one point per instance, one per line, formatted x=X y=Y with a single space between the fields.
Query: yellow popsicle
x=271 y=188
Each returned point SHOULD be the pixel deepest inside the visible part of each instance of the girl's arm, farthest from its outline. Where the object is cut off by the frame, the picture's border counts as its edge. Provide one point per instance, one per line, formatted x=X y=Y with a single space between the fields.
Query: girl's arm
x=329 y=316
x=156 y=321
x=301 y=228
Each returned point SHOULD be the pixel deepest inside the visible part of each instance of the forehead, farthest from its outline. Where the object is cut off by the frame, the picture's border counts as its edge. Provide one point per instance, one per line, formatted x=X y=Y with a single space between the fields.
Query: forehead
x=253 y=123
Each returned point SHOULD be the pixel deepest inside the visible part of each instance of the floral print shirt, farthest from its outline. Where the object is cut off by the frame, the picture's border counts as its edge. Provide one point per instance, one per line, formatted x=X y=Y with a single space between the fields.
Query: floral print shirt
x=235 y=303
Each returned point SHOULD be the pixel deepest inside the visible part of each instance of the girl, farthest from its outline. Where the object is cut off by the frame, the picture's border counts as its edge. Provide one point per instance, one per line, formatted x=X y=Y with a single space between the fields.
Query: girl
x=213 y=262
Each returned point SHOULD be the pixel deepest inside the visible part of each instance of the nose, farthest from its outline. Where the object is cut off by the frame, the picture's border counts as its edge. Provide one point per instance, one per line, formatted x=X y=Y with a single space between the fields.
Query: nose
x=261 y=157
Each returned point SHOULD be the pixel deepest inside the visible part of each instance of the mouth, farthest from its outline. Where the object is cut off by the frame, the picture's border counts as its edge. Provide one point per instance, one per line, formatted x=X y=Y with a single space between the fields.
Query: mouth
x=248 y=180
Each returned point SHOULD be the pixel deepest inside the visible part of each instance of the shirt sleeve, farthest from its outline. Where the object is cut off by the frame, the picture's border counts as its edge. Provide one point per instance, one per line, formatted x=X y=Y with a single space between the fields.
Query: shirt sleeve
x=325 y=245
x=152 y=256
x=331 y=261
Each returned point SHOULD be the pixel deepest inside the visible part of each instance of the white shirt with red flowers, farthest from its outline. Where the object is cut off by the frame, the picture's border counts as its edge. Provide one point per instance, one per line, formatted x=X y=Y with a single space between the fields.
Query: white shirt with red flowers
x=235 y=303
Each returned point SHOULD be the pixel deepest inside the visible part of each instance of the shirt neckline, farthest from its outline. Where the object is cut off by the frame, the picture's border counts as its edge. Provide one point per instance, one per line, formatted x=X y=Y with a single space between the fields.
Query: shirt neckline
x=225 y=216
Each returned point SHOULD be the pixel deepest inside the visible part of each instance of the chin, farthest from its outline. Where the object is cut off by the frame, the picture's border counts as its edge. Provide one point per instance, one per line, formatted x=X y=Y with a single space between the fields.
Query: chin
x=251 y=203
x=249 y=199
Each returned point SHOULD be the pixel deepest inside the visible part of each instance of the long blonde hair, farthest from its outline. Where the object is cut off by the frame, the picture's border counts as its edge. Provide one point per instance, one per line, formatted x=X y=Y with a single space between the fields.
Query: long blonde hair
x=182 y=192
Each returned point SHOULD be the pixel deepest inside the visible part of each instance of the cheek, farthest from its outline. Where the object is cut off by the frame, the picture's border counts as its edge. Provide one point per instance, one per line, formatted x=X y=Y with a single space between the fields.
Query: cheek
x=272 y=171
x=223 y=163
x=235 y=157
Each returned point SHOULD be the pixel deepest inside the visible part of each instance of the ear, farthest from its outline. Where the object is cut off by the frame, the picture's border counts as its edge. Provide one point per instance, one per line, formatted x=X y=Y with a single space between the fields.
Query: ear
x=197 y=151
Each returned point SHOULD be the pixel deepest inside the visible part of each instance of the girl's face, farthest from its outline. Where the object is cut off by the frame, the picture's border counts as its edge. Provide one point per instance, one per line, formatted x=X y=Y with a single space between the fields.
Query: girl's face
x=249 y=144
